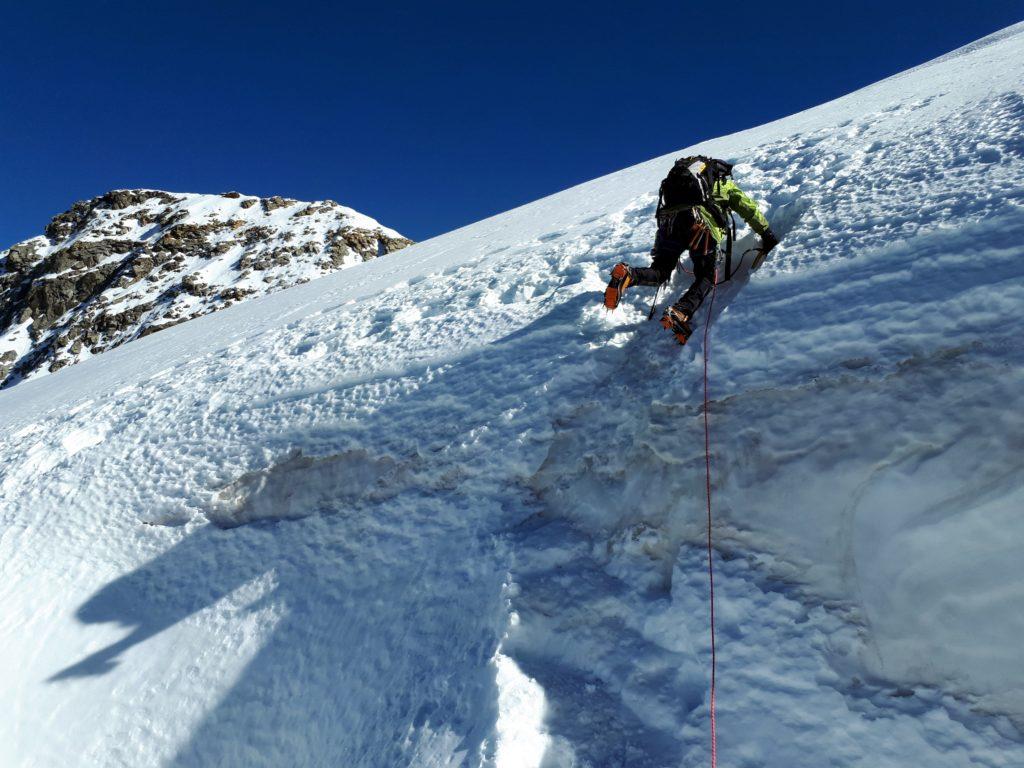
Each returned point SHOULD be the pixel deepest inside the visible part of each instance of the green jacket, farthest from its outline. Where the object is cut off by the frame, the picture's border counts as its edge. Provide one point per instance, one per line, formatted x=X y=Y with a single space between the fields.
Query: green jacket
x=731 y=198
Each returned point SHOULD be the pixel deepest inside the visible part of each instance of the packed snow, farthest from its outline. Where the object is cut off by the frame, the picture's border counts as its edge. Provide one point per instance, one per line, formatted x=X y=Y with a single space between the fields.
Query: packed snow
x=445 y=510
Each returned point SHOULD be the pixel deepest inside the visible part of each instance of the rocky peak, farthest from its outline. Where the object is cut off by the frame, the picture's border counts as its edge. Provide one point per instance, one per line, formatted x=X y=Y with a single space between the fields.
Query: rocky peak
x=134 y=261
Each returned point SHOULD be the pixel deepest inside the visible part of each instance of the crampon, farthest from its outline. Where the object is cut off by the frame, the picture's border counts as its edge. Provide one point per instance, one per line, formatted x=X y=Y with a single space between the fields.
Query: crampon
x=621 y=280
x=677 y=321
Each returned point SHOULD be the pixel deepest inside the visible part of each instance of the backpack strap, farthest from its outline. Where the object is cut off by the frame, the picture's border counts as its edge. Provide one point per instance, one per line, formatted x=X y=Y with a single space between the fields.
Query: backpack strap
x=730 y=236
x=722 y=171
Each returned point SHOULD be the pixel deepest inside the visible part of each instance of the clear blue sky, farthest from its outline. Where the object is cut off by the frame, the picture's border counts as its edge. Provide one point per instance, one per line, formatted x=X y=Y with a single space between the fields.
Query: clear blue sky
x=425 y=115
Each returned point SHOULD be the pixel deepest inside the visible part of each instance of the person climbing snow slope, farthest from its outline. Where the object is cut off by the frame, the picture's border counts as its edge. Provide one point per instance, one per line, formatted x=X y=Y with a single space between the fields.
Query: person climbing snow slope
x=696 y=201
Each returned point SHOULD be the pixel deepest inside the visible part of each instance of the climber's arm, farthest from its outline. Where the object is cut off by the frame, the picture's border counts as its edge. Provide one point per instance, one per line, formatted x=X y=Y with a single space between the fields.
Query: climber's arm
x=746 y=207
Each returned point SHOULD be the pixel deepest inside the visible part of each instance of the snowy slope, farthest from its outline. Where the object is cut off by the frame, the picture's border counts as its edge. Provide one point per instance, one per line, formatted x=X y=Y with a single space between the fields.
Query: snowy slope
x=135 y=261
x=451 y=512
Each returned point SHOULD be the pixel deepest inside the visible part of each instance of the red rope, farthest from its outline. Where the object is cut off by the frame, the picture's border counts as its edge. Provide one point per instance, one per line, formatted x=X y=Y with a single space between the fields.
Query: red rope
x=711 y=570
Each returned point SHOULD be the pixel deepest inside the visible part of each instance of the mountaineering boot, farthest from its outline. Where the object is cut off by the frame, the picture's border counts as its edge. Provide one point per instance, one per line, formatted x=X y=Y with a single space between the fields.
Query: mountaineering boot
x=678 y=321
x=622 y=278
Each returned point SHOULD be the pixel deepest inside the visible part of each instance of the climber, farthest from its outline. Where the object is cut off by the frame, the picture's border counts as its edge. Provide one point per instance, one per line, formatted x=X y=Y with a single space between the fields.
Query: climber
x=695 y=205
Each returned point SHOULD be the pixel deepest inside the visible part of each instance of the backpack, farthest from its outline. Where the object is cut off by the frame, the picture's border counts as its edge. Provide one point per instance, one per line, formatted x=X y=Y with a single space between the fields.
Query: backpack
x=689 y=184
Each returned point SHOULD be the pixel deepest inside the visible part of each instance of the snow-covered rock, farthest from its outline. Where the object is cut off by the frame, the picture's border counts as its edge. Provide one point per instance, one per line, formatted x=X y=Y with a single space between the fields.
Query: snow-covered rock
x=132 y=262
x=445 y=510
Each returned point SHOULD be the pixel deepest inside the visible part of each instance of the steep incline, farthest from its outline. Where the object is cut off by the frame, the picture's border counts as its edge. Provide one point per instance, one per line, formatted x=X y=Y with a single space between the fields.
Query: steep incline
x=135 y=261
x=451 y=513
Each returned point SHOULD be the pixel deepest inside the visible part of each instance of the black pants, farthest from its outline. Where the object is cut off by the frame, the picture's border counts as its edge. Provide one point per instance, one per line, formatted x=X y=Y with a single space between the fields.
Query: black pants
x=675 y=232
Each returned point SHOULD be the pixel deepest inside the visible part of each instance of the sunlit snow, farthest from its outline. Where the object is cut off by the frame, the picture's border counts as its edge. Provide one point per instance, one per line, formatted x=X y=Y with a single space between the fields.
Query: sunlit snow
x=296 y=532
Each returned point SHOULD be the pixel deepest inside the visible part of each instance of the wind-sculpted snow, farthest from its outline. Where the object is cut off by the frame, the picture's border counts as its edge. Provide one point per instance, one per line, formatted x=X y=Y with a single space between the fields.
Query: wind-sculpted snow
x=451 y=512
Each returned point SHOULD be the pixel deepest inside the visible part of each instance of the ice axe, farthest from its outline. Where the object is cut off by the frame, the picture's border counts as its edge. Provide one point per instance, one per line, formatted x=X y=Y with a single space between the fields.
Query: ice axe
x=758 y=260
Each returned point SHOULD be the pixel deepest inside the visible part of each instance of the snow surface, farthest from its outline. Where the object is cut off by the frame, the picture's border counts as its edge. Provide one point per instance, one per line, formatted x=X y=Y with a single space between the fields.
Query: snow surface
x=445 y=510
